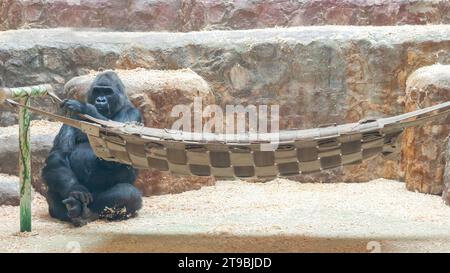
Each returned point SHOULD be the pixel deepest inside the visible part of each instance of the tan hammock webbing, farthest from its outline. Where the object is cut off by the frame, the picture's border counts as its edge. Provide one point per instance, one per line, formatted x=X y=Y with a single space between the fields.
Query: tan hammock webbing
x=228 y=156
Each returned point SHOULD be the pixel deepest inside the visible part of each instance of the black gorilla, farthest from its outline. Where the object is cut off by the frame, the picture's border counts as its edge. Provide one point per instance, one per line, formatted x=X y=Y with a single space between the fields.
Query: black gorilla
x=81 y=186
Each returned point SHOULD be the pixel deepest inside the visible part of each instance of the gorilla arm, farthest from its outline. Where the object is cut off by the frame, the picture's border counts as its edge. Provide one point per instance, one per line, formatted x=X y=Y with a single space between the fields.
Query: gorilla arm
x=57 y=171
x=127 y=114
x=82 y=108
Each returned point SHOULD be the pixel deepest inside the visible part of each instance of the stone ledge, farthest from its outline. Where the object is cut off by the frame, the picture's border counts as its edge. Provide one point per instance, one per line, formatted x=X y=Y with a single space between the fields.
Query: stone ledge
x=194 y=15
x=115 y=41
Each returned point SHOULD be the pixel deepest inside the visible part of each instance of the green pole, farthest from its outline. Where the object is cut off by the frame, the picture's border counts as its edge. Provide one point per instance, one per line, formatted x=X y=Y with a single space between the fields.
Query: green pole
x=25 y=167
x=24 y=94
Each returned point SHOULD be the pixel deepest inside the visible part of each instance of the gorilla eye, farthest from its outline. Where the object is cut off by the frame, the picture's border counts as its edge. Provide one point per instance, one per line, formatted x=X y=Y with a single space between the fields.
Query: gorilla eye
x=108 y=92
x=103 y=91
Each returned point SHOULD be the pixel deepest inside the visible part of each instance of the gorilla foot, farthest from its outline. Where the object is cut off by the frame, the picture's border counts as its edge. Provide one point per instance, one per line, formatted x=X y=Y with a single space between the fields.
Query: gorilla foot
x=79 y=222
x=86 y=218
x=78 y=212
x=74 y=207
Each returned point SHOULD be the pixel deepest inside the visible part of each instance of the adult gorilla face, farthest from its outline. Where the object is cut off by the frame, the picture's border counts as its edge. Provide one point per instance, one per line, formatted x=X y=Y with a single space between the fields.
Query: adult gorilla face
x=107 y=94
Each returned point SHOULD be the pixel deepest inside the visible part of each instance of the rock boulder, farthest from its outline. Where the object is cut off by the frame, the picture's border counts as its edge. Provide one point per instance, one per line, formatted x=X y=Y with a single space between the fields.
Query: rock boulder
x=424 y=147
x=9 y=190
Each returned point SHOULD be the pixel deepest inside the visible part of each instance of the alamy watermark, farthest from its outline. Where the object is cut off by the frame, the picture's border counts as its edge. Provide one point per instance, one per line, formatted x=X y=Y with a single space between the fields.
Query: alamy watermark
x=73 y=247
x=374 y=247
x=237 y=123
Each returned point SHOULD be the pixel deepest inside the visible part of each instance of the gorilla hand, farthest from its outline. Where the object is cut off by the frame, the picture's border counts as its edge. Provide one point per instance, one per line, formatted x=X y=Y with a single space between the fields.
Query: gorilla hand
x=80 y=193
x=77 y=208
x=84 y=197
x=73 y=106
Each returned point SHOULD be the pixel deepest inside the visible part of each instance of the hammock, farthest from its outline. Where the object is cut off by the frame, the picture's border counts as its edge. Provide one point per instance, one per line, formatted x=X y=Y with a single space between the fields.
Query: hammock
x=246 y=155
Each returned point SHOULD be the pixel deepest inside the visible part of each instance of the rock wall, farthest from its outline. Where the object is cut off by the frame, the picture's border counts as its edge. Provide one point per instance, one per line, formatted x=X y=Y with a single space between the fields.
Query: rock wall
x=317 y=75
x=194 y=15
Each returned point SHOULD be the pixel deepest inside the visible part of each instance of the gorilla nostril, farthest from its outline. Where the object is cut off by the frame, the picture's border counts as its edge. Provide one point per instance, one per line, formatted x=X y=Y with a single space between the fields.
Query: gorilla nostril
x=100 y=100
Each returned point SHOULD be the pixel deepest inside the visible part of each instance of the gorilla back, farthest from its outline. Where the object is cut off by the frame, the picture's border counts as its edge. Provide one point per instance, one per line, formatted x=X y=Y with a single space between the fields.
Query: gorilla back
x=81 y=186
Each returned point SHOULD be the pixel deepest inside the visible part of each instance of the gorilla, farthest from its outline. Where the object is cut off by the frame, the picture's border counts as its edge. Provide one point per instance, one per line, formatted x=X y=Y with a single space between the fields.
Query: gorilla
x=81 y=186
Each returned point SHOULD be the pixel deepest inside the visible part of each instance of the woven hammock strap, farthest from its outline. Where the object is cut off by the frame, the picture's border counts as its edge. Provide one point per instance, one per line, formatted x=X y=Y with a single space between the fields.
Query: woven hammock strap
x=86 y=127
x=266 y=155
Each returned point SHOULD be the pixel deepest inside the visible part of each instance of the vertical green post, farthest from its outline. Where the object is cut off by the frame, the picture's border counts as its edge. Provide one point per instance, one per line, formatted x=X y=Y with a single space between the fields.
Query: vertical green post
x=25 y=166
x=24 y=94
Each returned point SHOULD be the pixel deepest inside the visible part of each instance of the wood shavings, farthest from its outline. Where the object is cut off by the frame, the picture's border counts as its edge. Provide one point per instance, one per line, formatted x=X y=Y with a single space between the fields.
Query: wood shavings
x=235 y=216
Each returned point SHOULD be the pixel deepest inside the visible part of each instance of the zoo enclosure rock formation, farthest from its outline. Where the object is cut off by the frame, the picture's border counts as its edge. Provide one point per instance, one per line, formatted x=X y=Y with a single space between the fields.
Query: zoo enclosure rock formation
x=317 y=75
x=194 y=15
x=424 y=147
x=155 y=93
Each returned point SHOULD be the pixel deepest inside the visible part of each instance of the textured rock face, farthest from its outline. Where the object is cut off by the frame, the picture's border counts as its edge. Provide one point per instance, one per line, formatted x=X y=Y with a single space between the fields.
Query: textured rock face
x=317 y=75
x=424 y=147
x=248 y=14
x=192 y=15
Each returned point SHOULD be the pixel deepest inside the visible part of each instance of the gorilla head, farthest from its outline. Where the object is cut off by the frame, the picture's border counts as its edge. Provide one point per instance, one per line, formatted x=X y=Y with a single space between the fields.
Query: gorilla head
x=107 y=94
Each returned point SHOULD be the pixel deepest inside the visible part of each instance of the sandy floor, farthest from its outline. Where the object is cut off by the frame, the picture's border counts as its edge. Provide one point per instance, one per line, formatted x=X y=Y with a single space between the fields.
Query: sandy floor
x=233 y=216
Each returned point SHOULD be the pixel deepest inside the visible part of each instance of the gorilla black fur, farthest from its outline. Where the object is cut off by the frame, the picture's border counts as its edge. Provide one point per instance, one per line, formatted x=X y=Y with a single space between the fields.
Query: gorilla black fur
x=81 y=186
